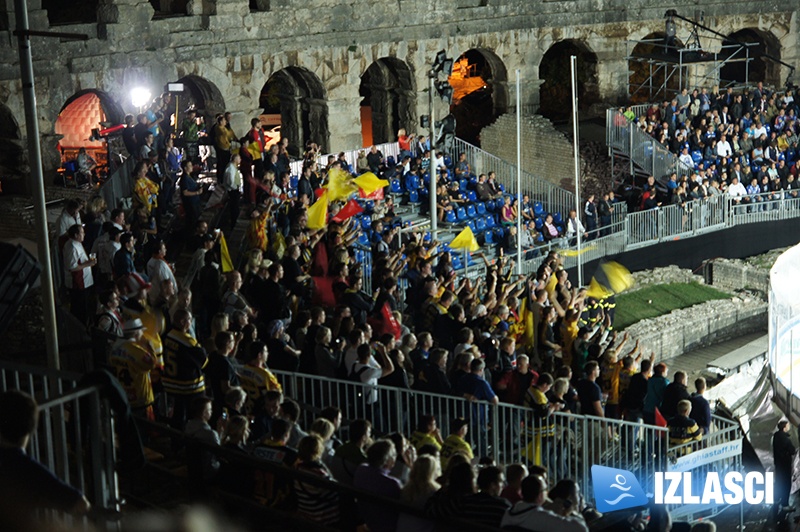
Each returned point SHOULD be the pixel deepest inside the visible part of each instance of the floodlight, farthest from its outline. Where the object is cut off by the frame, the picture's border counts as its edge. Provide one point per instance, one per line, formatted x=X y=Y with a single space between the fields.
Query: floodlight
x=174 y=87
x=140 y=96
x=445 y=90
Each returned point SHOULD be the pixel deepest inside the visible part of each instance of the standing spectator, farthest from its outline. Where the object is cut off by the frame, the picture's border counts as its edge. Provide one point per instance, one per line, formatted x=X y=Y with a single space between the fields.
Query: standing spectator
x=542 y=428
x=223 y=137
x=590 y=213
x=190 y=195
x=25 y=485
x=374 y=477
x=158 y=270
x=368 y=374
x=783 y=452
x=655 y=393
x=701 y=410
x=605 y=210
x=674 y=393
x=78 y=268
x=184 y=360
x=487 y=507
x=132 y=360
x=232 y=183
x=220 y=373
x=474 y=386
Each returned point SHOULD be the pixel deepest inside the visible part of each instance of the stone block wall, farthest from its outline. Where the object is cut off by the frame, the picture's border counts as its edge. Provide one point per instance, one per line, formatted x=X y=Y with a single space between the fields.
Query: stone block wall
x=732 y=275
x=699 y=326
x=546 y=152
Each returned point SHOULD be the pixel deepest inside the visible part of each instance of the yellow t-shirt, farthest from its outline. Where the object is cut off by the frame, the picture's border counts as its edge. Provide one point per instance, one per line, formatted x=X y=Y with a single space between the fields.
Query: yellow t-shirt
x=420 y=439
x=609 y=381
x=452 y=445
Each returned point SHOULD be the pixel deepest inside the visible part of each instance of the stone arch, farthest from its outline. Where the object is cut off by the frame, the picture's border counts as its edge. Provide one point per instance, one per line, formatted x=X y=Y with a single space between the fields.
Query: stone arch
x=555 y=94
x=298 y=96
x=83 y=111
x=480 y=92
x=203 y=95
x=760 y=68
x=12 y=155
x=387 y=89
x=646 y=85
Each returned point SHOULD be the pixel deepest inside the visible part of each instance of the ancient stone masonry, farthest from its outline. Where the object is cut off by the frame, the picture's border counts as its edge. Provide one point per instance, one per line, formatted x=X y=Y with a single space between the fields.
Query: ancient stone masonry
x=225 y=52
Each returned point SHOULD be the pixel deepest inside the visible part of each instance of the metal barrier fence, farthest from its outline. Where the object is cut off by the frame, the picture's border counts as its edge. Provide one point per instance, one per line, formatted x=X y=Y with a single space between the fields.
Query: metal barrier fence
x=642 y=149
x=568 y=444
x=75 y=437
x=387 y=149
x=554 y=198
x=119 y=185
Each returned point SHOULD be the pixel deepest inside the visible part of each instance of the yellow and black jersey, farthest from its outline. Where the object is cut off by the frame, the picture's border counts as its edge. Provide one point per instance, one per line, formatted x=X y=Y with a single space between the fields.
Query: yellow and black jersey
x=256 y=382
x=452 y=445
x=184 y=360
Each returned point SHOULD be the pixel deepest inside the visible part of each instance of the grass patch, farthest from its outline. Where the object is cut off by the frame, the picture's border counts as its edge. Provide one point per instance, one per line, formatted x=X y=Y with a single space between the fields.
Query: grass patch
x=665 y=298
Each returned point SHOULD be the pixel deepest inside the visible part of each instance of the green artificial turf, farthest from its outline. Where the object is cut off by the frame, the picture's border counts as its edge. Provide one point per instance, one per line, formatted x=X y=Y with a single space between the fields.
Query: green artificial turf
x=661 y=299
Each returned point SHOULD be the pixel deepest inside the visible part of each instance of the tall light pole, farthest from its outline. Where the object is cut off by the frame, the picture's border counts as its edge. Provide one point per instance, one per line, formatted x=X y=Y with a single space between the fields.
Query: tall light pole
x=24 y=33
x=441 y=65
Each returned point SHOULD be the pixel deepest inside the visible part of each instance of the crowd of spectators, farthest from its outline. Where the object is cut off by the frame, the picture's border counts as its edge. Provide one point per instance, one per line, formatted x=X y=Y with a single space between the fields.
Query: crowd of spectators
x=197 y=348
x=739 y=144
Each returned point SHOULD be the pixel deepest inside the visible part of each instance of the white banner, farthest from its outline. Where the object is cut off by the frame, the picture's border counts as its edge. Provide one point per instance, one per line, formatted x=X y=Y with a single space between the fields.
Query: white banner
x=707 y=456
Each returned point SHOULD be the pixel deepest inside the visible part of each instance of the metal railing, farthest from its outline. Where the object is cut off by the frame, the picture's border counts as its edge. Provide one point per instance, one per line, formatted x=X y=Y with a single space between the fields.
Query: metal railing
x=507 y=433
x=553 y=198
x=643 y=150
x=75 y=437
x=119 y=185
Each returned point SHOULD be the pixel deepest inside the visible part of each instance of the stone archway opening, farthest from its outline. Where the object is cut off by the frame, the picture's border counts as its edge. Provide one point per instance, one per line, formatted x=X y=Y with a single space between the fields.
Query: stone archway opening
x=649 y=79
x=12 y=155
x=760 y=68
x=60 y=13
x=295 y=98
x=387 y=91
x=480 y=92
x=200 y=94
x=555 y=94
x=81 y=113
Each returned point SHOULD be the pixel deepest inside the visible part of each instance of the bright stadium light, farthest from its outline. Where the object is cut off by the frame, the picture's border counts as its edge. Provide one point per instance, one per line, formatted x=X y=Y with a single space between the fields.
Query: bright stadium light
x=140 y=96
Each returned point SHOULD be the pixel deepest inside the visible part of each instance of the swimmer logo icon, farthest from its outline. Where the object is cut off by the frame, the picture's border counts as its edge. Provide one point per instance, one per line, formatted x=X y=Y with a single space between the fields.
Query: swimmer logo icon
x=616 y=489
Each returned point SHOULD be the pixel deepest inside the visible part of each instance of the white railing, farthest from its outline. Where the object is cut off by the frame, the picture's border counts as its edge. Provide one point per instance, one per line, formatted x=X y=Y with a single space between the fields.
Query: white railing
x=626 y=137
x=552 y=197
x=508 y=433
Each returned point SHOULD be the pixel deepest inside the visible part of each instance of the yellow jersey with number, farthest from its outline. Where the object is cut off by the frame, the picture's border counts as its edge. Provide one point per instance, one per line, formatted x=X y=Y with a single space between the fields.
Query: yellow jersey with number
x=256 y=382
x=452 y=445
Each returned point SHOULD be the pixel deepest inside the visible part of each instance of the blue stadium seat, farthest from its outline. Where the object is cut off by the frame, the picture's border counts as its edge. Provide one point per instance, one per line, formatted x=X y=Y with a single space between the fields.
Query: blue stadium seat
x=461 y=214
x=538 y=210
x=499 y=233
x=480 y=224
x=366 y=222
x=489 y=220
x=448 y=162
x=412 y=182
x=363 y=239
x=697 y=156
x=472 y=196
x=502 y=187
x=471 y=212
x=450 y=217
x=488 y=236
x=471 y=225
x=539 y=223
x=462 y=184
x=293 y=181
x=540 y=238
x=456 y=261
x=490 y=206
x=557 y=218
x=390 y=162
x=369 y=205
x=396 y=188
x=413 y=196
x=480 y=207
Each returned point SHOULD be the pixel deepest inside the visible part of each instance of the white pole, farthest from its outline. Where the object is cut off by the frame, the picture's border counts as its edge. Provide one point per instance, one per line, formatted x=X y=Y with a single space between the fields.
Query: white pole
x=37 y=184
x=519 y=183
x=432 y=168
x=574 y=69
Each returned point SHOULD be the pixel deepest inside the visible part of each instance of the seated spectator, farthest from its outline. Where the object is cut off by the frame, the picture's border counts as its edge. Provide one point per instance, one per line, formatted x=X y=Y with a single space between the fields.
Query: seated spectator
x=315 y=503
x=529 y=514
x=487 y=507
x=290 y=411
x=549 y=230
x=417 y=492
x=736 y=191
x=455 y=442
x=374 y=477
x=508 y=214
x=255 y=377
x=566 y=500
x=683 y=430
x=458 y=483
x=515 y=473
x=26 y=486
x=352 y=453
x=427 y=433
x=324 y=428
x=406 y=454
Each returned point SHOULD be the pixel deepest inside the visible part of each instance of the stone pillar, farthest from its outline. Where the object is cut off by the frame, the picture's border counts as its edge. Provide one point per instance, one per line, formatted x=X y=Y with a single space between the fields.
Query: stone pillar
x=346 y=121
x=318 y=123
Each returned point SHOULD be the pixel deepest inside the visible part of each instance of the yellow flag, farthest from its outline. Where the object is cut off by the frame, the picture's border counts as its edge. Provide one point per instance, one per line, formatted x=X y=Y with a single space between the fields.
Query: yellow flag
x=340 y=185
x=225 y=256
x=465 y=240
x=318 y=213
x=526 y=328
x=369 y=183
x=609 y=279
x=574 y=252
